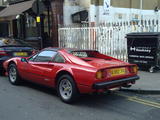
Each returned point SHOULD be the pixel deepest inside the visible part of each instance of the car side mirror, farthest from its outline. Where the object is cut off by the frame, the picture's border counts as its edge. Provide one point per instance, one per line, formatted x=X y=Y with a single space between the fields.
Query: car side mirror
x=24 y=60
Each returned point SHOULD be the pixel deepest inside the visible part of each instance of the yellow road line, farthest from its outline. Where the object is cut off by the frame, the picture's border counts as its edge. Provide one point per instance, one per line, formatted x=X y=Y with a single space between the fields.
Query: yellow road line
x=145 y=102
x=141 y=101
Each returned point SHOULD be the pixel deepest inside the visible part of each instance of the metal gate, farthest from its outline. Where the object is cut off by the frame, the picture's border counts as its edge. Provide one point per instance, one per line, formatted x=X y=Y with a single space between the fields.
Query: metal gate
x=108 y=38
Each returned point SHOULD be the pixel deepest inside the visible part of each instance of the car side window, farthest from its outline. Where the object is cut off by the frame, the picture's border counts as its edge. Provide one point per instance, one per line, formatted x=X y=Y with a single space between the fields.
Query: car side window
x=32 y=58
x=45 y=56
x=59 y=59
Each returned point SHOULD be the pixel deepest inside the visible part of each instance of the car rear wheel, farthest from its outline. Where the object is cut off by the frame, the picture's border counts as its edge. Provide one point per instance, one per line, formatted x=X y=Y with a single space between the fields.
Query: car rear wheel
x=13 y=75
x=67 y=89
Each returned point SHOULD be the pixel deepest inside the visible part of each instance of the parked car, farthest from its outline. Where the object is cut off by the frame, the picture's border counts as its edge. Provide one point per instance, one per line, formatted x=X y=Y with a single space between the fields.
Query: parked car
x=72 y=71
x=11 y=48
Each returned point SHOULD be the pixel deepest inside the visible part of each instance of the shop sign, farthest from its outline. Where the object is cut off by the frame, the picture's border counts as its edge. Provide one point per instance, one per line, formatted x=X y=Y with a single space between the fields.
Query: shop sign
x=106 y=7
x=38 y=19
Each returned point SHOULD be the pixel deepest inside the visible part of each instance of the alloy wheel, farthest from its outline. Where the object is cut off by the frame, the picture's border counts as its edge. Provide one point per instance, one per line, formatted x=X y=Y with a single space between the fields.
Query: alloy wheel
x=12 y=74
x=65 y=88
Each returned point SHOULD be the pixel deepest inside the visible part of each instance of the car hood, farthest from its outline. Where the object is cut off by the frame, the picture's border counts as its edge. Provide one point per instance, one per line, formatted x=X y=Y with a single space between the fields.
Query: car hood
x=101 y=63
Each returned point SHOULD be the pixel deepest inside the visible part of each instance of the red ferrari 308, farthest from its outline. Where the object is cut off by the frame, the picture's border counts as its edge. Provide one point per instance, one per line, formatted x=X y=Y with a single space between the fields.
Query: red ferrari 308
x=72 y=71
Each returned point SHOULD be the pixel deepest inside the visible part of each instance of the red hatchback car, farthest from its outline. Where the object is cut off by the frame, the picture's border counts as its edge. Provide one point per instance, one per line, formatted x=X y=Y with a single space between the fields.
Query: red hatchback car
x=72 y=71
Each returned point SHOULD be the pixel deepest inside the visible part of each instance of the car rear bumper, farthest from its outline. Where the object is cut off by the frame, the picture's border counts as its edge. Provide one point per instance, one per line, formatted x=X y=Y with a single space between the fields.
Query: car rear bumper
x=1 y=64
x=119 y=82
x=2 y=59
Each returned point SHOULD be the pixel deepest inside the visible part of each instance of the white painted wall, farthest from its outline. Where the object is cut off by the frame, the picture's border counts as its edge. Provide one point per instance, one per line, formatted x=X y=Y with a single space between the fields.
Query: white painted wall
x=0 y=2
x=101 y=14
x=126 y=13
x=68 y=11
x=71 y=7
x=85 y=3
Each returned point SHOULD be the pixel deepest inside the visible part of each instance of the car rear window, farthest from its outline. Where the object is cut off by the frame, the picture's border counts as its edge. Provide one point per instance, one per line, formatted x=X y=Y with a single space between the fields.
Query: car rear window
x=90 y=55
x=83 y=54
x=80 y=54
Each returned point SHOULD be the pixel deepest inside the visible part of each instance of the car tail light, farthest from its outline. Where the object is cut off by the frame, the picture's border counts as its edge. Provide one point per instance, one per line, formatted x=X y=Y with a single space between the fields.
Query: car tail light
x=101 y=74
x=133 y=69
x=2 y=52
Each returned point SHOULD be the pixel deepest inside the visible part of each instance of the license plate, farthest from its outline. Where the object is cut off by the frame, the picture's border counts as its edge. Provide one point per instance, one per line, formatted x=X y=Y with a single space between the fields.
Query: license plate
x=117 y=71
x=20 y=54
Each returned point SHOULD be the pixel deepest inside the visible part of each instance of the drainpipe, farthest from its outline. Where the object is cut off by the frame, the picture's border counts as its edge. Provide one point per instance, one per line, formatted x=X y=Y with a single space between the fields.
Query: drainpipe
x=130 y=14
x=141 y=8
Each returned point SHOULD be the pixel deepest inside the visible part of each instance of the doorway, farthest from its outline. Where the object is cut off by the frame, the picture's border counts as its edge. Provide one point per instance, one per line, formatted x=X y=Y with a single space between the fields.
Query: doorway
x=4 y=30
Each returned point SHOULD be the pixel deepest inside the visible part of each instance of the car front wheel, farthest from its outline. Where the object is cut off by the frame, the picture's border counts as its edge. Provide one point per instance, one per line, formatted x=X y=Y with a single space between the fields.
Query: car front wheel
x=13 y=75
x=67 y=89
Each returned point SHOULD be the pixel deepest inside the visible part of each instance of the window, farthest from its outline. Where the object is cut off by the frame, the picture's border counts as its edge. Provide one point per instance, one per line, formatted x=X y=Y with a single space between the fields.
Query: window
x=31 y=28
x=59 y=59
x=80 y=16
x=44 y=56
x=80 y=54
x=47 y=17
x=84 y=54
x=32 y=58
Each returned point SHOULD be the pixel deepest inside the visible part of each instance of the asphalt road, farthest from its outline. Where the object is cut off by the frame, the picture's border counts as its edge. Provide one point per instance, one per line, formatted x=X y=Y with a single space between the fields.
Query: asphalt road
x=32 y=102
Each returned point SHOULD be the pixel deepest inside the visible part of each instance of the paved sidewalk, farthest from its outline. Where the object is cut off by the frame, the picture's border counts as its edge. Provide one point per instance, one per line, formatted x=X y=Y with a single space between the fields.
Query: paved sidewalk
x=149 y=83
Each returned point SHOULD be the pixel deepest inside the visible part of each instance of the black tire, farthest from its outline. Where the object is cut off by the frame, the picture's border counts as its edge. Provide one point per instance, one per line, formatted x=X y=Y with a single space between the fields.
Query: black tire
x=73 y=95
x=14 y=78
x=154 y=69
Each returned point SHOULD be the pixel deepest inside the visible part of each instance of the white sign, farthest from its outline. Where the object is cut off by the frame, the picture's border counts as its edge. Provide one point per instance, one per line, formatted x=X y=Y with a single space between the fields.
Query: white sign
x=141 y=49
x=106 y=7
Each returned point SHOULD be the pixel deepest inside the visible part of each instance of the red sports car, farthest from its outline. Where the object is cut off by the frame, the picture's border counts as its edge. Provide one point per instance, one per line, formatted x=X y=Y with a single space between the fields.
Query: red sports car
x=71 y=71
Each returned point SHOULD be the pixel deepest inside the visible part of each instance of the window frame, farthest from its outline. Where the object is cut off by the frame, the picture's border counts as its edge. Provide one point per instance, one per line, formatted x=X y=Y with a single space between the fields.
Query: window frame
x=59 y=55
x=36 y=55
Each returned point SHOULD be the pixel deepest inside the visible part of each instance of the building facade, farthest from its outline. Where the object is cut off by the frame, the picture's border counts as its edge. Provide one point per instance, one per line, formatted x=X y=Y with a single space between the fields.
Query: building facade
x=2 y=2
x=20 y=16
x=3 y=24
x=32 y=24
x=100 y=11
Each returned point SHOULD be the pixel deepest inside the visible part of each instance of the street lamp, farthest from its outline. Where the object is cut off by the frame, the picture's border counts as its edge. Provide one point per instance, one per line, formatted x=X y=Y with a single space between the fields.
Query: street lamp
x=38 y=20
x=141 y=8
